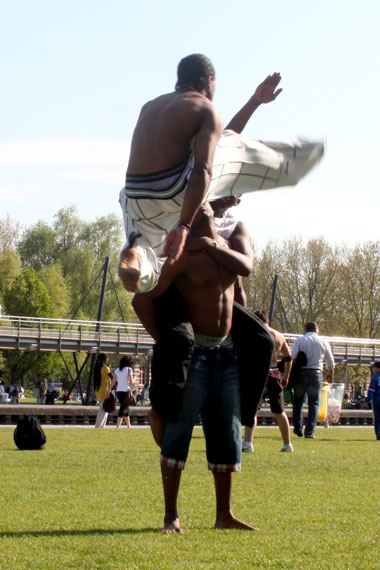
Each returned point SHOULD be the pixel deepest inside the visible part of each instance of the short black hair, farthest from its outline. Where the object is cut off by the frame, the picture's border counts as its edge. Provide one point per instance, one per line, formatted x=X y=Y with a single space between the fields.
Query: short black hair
x=193 y=71
x=311 y=326
x=262 y=316
x=376 y=364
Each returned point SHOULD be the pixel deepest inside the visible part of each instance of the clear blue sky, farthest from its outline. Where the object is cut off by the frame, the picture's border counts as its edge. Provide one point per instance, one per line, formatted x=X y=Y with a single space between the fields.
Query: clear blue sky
x=75 y=74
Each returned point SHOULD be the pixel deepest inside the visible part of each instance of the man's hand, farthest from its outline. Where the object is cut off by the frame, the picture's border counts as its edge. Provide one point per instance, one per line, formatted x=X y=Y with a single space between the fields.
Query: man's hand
x=284 y=382
x=174 y=244
x=265 y=92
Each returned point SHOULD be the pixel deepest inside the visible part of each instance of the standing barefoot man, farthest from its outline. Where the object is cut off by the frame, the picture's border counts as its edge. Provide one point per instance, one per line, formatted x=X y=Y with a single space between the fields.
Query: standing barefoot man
x=205 y=278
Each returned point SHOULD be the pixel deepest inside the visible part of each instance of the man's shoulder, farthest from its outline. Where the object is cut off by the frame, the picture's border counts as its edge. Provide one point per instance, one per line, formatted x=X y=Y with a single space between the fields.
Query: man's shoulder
x=314 y=338
x=185 y=100
x=183 y=113
x=279 y=336
x=241 y=230
x=325 y=343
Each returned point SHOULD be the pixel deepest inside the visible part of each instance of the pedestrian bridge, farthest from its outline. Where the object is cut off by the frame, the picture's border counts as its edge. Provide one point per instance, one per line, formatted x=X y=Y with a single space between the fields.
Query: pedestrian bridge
x=64 y=335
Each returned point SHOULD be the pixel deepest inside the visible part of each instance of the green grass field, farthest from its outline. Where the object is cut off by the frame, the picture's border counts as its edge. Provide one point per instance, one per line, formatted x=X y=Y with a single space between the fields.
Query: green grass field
x=92 y=499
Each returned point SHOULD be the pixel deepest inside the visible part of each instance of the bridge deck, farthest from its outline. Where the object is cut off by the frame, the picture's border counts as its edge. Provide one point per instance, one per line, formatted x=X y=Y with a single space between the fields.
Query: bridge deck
x=60 y=335
x=24 y=333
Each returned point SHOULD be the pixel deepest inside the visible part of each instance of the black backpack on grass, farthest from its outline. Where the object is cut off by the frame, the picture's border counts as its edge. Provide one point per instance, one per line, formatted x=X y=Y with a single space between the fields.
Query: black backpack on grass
x=29 y=434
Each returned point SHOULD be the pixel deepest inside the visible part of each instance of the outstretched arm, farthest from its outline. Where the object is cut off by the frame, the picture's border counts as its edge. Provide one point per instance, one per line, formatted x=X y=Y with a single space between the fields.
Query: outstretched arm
x=265 y=93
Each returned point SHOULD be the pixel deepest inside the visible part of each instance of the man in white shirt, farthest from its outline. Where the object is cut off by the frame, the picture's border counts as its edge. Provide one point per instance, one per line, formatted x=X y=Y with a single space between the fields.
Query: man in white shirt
x=317 y=351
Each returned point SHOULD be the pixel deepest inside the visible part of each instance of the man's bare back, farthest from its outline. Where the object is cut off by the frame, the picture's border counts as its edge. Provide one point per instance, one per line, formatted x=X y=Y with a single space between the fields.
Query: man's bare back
x=279 y=342
x=166 y=128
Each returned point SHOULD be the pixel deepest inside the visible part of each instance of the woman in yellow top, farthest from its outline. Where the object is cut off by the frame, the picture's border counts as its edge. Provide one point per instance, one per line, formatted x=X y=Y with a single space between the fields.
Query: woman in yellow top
x=102 y=382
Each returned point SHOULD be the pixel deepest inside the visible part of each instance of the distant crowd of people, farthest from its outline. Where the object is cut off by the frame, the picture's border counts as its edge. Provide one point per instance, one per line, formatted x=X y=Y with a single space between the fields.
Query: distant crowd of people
x=14 y=393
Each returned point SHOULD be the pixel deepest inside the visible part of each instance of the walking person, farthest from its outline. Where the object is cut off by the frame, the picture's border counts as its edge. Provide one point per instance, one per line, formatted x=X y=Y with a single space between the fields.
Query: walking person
x=102 y=382
x=2 y=391
x=373 y=396
x=144 y=395
x=317 y=351
x=13 y=393
x=276 y=382
x=51 y=394
x=123 y=377
x=42 y=390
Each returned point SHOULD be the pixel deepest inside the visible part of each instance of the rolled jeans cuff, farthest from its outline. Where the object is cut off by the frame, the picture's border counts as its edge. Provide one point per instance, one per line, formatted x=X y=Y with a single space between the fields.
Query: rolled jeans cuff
x=224 y=467
x=171 y=462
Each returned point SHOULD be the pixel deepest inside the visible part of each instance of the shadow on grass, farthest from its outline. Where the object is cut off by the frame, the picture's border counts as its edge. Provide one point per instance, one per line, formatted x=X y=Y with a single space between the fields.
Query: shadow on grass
x=87 y=532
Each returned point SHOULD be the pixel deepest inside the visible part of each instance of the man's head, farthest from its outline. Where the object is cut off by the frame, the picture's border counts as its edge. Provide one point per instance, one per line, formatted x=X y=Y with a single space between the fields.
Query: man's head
x=312 y=326
x=196 y=72
x=376 y=366
x=262 y=316
x=221 y=205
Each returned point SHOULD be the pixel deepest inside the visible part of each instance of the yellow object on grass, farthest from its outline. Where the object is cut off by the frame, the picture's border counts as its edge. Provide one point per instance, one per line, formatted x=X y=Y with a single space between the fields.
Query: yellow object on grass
x=322 y=410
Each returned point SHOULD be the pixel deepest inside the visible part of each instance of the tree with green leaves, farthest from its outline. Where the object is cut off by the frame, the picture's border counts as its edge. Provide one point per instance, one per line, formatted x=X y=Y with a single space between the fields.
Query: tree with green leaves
x=306 y=284
x=358 y=296
x=57 y=287
x=77 y=249
x=38 y=246
x=28 y=297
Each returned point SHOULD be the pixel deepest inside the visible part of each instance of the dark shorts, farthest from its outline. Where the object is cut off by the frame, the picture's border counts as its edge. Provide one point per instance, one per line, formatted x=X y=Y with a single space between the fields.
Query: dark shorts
x=275 y=392
x=124 y=407
x=211 y=391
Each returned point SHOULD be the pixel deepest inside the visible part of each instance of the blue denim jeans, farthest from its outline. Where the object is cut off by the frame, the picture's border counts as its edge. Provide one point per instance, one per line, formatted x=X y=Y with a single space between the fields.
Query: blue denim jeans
x=376 y=416
x=310 y=383
x=211 y=391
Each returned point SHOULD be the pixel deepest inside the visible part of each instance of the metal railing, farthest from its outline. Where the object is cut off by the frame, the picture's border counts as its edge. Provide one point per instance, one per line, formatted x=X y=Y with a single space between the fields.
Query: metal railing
x=348 y=350
x=67 y=335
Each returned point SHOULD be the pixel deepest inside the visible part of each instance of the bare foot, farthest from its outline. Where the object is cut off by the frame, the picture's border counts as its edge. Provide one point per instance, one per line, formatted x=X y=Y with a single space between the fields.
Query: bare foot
x=171 y=523
x=157 y=425
x=225 y=519
x=129 y=269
